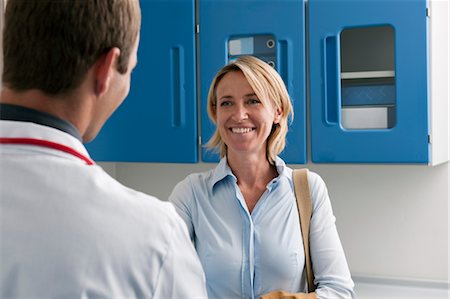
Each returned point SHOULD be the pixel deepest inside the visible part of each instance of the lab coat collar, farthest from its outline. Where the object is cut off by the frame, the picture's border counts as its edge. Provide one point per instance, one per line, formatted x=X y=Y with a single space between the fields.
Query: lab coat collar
x=23 y=129
x=19 y=113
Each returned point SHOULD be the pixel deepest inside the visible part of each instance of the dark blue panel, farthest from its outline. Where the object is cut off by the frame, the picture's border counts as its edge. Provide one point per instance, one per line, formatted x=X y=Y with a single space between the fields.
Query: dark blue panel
x=221 y=20
x=158 y=120
x=362 y=95
x=407 y=141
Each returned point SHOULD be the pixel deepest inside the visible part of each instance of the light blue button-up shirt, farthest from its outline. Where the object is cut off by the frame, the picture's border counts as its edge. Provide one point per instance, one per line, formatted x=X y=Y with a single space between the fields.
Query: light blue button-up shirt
x=247 y=255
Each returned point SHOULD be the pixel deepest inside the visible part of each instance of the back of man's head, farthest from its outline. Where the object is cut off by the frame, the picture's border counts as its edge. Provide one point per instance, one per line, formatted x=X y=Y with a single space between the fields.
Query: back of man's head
x=50 y=45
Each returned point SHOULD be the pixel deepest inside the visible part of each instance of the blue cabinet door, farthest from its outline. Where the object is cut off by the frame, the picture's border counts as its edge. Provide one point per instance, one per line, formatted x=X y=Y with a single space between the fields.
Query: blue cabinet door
x=403 y=98
x=249 y=22
x=158 y=120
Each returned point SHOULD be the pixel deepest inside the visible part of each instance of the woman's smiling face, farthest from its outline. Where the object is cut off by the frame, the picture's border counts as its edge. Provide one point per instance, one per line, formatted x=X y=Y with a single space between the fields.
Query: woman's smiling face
x=243 y=121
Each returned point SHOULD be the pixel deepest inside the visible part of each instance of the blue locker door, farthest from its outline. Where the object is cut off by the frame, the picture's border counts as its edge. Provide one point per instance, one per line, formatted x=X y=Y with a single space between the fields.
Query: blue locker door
x=282 y=20
x=405 y=139
x=158 y=120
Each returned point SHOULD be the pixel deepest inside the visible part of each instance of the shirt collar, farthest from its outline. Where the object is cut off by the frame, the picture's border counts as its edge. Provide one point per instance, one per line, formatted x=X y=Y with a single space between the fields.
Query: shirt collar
x=283 y=170
x=223 y=171
x=19 y=113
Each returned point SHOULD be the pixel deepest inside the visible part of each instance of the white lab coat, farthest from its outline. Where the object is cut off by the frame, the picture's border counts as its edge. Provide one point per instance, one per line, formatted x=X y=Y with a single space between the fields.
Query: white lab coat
x=69 y=230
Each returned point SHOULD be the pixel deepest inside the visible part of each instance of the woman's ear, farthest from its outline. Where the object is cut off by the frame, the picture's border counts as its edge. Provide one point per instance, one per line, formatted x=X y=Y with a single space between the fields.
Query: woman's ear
x=278 y=113
x=105 y=67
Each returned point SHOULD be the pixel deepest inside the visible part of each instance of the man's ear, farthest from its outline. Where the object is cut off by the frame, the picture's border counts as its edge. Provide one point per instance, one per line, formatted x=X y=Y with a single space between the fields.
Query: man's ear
x=105 y=67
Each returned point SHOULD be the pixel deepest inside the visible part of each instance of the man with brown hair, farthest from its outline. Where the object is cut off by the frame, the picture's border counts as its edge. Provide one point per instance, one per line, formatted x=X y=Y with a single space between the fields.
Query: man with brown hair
x=69 y=230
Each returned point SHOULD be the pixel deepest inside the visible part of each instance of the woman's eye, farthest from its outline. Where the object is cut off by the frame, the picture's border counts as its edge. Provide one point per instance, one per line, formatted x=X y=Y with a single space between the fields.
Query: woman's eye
x=225 y=103
x=253 y=101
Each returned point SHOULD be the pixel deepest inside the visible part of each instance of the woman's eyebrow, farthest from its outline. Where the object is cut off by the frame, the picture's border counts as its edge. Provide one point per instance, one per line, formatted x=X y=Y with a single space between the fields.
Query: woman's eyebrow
x=251 y=94
x=225 y=97
x=248 y=95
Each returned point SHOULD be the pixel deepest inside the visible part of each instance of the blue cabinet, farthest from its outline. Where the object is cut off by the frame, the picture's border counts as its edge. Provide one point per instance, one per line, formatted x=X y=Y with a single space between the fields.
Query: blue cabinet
x=369 y=89
x=158 y=120
x=271 y=30
x=378 y=82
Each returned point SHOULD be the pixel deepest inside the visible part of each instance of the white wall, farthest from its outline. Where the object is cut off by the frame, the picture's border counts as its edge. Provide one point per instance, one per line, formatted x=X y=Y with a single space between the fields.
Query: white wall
x=393 y=220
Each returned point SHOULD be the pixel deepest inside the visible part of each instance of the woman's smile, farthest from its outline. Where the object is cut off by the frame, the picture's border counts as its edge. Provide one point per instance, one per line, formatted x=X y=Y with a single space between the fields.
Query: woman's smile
x=242 y=130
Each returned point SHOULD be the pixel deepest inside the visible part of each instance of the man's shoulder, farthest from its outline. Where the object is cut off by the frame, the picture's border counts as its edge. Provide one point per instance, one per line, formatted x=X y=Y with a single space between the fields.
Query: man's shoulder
x=126 y=202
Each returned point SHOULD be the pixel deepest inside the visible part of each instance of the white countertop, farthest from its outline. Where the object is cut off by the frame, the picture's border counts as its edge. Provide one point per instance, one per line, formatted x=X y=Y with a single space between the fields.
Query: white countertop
x=367 y=288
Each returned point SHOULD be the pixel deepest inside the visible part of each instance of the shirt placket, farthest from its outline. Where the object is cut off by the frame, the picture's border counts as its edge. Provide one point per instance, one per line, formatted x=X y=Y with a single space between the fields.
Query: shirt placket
x=248 y=253
x=247 y=260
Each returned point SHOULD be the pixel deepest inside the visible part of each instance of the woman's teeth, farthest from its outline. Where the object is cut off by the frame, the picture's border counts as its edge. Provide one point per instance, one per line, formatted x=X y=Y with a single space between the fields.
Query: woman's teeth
x=241 y=130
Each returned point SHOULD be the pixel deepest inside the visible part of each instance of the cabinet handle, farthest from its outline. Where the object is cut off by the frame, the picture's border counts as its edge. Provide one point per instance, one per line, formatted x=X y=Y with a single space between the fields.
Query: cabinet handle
x=331 y=79
x=283 y=63
x=177 y=87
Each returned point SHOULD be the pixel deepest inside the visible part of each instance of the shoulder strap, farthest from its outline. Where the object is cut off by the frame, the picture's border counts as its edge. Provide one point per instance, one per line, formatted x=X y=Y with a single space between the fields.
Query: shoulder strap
x=304 y=206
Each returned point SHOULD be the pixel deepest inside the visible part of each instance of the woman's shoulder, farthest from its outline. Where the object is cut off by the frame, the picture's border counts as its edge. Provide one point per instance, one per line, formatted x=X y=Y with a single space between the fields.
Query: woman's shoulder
x=207 y=178
x=196 y=178
x=196 y=183
x=317 y=188
x=314 y=179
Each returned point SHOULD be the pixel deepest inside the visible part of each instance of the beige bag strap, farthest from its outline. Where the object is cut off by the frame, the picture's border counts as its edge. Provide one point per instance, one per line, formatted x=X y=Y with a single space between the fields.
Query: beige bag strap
x=304 y=206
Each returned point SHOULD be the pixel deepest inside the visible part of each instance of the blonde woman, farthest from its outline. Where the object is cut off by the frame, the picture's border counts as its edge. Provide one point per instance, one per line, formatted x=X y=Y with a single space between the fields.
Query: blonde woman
x=242 y=215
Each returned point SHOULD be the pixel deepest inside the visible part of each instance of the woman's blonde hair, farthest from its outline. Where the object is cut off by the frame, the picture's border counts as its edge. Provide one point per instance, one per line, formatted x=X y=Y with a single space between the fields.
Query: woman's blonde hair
x=270 y=89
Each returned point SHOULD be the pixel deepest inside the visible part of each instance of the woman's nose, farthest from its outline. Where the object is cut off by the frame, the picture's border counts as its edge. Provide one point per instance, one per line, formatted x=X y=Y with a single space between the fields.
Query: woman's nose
x=240 y=113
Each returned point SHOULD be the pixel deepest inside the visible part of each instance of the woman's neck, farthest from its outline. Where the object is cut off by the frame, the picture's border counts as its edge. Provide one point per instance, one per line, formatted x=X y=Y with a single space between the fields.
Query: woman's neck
x=252 y=170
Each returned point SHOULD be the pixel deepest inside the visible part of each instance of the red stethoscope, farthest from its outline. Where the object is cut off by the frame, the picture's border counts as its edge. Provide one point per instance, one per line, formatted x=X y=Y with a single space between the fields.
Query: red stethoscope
x=47 y=144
